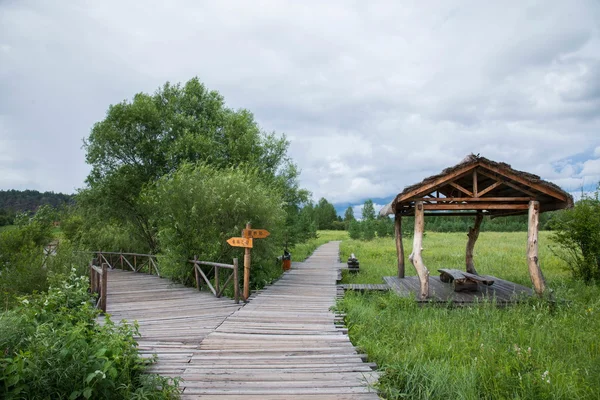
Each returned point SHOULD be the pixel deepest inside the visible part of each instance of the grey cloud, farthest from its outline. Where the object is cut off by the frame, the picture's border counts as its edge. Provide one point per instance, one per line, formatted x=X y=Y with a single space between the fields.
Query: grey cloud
x=373 y=95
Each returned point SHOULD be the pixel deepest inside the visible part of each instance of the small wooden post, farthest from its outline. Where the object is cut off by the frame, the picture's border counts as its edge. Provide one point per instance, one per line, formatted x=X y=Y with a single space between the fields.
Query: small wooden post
x=535 y=273
x=415 y=258
x=399 y=245
x=236 y=282
x=121 y=258
x=472 y=235
x=92 y=283
x=104 y=288
x=246 y=268
x=217 y=281
x=196 y=273
x=475 y=191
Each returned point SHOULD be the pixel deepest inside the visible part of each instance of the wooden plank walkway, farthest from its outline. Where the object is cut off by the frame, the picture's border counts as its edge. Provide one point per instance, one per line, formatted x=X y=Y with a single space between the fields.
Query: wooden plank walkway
x=363 y=287
x=504 y=292
x=284 y=344
x=173 y=319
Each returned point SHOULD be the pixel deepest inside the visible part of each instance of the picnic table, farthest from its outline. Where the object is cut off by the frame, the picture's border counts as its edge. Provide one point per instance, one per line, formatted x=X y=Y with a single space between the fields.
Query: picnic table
x=464 y=281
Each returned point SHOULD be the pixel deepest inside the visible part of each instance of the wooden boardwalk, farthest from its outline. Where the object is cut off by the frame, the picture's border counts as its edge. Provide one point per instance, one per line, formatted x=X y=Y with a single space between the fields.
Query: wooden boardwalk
x=364 y=287
x=173 y=319
x=503 y=292
x=283 y=344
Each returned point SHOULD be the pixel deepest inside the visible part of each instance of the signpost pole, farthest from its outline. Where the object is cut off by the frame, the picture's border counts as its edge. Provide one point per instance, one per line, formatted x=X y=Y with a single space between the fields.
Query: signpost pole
x=246 y=268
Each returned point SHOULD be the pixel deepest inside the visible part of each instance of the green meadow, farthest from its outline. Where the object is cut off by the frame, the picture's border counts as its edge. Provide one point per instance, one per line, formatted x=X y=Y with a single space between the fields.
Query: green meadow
x=539 y=349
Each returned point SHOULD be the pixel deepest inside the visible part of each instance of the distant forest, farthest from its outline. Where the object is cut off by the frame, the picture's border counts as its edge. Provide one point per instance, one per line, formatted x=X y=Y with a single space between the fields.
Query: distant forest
x=16 y=201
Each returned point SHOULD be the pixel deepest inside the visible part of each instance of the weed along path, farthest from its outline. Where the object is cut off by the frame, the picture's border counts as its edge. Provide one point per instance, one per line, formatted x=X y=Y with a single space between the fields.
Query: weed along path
x=284 y=344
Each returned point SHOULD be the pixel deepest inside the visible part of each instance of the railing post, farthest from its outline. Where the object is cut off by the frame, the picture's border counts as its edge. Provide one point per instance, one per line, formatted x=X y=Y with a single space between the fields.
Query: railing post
x=135 y=263
x=92 y=283
x=196 y=272
x=236 y=282
x=217 y=281
x=104 y=288
x=121 y=259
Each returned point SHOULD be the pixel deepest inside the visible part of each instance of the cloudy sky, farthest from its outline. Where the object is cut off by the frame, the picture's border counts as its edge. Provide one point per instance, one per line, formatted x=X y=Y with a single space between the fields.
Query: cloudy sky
x=372 y=95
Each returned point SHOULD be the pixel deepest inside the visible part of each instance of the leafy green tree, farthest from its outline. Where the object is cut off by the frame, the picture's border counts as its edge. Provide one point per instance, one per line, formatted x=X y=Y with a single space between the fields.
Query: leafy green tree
x=384 y=227
x=325 y=214
x=348 y=216
x=354 y=230
x=200 y=207
x=368 y=229
x=578 y=234
x=368 y=211
x=141 y=140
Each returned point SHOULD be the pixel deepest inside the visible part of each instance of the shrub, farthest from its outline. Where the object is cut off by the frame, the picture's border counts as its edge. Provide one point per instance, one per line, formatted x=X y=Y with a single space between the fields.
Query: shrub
x=200 y=208
x=578 y=235
x=53 y=348
x=354 y=229
x=368 y=229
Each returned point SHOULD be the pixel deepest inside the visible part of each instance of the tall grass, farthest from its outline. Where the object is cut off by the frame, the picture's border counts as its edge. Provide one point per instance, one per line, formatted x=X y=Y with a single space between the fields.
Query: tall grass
x=534 y=350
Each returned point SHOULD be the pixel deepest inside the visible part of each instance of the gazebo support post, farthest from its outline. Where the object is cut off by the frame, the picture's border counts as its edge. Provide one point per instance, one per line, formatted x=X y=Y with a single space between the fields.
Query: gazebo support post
x=415 y=257
x=472 y=235
x=399 y=245
x=535 y=273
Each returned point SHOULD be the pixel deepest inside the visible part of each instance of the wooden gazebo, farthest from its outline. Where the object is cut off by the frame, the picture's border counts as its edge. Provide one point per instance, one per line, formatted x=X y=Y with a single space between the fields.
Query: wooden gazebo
x=478 y=187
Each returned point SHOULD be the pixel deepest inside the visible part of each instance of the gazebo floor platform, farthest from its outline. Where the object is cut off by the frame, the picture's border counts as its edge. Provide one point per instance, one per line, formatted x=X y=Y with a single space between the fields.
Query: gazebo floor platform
x=502 y=292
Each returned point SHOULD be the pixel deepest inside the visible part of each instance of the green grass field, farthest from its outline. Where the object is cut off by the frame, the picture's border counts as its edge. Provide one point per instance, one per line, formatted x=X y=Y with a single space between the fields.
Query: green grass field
x=534 y=350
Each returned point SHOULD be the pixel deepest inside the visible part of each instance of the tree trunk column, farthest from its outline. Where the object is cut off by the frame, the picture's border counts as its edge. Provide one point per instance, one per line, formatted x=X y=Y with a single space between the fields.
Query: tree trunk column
x=472 y=235
x=535 y=273
x=399 y=245
x=415 y=257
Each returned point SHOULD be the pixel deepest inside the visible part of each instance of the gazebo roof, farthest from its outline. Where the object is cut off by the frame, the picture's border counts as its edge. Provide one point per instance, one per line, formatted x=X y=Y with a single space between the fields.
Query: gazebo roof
x=482 y=185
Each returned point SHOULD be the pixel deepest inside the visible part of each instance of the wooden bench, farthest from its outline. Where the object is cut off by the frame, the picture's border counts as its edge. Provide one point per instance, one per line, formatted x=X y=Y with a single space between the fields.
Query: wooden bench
x=464 y=281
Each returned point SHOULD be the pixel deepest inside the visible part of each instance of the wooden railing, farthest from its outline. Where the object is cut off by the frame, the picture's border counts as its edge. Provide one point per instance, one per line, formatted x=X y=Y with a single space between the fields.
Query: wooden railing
x=134 y=261
x=98 y=284
x=217 y=289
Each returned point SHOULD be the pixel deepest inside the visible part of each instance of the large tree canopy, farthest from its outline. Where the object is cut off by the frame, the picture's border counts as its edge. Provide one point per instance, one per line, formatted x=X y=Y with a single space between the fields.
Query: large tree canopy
x=141 y=140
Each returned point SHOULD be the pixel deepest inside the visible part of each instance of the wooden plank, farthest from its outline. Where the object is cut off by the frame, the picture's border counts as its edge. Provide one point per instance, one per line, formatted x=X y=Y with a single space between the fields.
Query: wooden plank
x=539 y=187
x=475 y=206
x=285 y=342
x=462 y=189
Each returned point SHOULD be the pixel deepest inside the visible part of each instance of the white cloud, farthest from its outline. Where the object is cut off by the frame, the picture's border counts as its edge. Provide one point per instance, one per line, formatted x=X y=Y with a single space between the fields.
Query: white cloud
x=373 y=96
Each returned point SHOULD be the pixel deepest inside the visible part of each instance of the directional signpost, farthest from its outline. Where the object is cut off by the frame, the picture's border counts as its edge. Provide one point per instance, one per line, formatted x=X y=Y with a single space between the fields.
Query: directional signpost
x=240 y=242
x=246 y=242
x=255 y=233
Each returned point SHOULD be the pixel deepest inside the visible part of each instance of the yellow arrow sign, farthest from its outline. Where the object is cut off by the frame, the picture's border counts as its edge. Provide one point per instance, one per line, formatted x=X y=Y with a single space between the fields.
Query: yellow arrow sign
x=240 y=242
x=255 y=233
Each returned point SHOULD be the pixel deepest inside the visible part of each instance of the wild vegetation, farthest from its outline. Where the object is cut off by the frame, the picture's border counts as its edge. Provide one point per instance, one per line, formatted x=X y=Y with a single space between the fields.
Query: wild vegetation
x=542 y=348
x=175 y=172
x=28 y=201
x=54 y=348
x=578 y=236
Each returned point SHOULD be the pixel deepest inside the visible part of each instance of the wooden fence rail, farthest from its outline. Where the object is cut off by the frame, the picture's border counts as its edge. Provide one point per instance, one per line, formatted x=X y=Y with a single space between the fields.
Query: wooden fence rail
x=217 y=289
x=134 y=261
x=98 y=284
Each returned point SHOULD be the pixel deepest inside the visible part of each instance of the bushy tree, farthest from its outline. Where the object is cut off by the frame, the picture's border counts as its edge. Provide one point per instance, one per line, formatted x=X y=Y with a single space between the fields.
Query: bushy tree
x=325 y=214
x=349 y=216
x=200 y=207
x=578 y=235
x=24 y=267
x=141 y=140
x=384 y=227
x=368 y=211
x=368 y=229
x=354 y=230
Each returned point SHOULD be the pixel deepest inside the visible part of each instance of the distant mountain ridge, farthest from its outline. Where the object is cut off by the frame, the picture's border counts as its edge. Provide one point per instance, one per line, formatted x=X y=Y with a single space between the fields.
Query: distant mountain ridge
x=30 y=200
